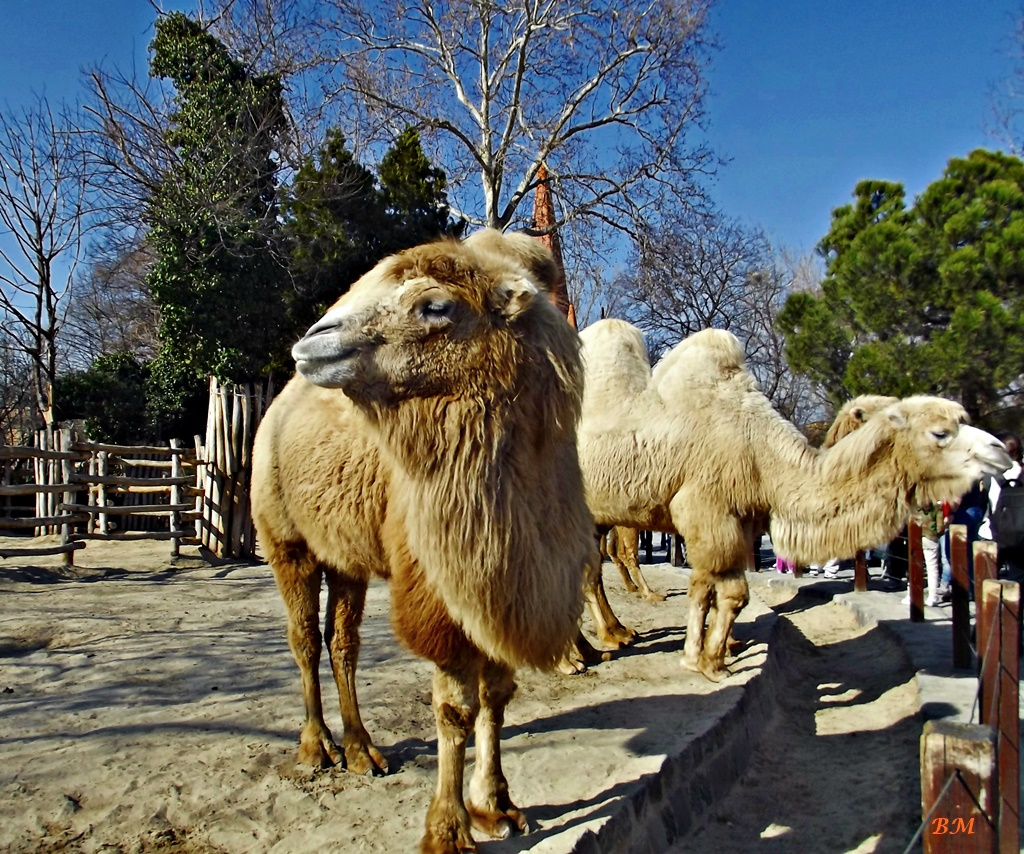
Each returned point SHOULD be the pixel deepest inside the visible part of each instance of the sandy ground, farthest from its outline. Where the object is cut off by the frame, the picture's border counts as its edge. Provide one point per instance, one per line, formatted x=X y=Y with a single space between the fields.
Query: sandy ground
x=145 y=707
x=838 y=767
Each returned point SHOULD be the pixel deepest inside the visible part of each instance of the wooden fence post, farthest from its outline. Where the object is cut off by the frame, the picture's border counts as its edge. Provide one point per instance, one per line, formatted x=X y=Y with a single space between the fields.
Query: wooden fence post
x=986 y=567
x=860 y=572
x=67 y=469
x=999 y=651
x=915 y=571
x=174 y=517
x=960 y=596
x=959 y=787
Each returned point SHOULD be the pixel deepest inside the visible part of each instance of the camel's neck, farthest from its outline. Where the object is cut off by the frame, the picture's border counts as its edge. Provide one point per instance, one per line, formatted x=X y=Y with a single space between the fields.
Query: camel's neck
x=484 y=492
x=850 y=502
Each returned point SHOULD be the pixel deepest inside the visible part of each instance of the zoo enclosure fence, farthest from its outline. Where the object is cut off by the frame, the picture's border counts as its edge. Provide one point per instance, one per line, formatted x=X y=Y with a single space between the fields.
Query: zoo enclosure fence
x=85 y=491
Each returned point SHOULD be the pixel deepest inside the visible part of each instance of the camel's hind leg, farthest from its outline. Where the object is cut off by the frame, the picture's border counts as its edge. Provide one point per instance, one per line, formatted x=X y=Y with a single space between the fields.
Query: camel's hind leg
x=489 y=805
x=610 y=548
x=298 y=578
x=456 y=703
x=607 y=626
x=701 y=595
x=627 y=558
x=731 y=596
x=345 y=600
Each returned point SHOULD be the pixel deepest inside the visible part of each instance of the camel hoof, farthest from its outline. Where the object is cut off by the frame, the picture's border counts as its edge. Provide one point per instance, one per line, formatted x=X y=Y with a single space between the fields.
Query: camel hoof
x=365 y=760
x=618 y=638
x=321 y=753
x=499 y=824
x=653 y=596
x=712 y=672
x=571 y=666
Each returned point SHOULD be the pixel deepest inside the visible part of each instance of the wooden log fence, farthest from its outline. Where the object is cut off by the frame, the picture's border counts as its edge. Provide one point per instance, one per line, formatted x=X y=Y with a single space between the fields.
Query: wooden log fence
x=970 y=773
x=225 y=520
x=50 y=461
x=81 y=492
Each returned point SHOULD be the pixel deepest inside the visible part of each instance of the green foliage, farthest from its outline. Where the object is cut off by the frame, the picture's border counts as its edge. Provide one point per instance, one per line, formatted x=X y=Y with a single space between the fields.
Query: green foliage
x=926 y=299
x=213 y=220
x=109 y=396
x=338 y=223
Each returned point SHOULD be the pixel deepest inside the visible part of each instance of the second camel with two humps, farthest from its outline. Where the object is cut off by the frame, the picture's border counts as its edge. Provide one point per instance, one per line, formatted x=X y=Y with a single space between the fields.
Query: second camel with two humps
x=695 y=448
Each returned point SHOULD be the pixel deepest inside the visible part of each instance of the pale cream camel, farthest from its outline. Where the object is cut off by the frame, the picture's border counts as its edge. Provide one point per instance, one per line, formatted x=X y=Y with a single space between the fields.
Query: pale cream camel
x=709 y=458
x=621 y=545
x=429 y=438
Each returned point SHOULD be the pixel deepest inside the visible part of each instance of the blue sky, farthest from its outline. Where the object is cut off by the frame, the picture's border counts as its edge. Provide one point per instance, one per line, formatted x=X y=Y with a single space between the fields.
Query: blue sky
x=812 y=96
x=808 y=96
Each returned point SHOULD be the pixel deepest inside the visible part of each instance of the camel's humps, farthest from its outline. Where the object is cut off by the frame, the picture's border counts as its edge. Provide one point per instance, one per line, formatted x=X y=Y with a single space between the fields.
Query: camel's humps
x=429 y=438
x=706 y=456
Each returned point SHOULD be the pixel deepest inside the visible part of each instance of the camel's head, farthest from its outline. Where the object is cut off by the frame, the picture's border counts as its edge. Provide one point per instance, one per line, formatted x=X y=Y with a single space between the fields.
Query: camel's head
x=445 y=318
x=854 y=414
x=939 y=453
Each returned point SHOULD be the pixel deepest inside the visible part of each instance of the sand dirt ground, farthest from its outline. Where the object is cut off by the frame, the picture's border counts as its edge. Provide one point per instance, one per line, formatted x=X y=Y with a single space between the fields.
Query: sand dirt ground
x=146 y=707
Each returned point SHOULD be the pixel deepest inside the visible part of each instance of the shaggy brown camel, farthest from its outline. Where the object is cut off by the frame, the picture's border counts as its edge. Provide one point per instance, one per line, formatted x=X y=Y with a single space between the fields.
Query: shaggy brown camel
x=429 y=438
x=710 y=459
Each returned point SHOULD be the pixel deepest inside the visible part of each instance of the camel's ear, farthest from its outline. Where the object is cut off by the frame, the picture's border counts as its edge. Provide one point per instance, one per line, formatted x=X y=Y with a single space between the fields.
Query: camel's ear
x=513 y=296
x=859 y=413
x=897 y=417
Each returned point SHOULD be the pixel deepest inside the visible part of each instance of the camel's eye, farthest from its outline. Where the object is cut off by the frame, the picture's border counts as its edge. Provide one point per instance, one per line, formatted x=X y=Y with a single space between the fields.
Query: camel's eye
x=941 y=436
x=436 y=310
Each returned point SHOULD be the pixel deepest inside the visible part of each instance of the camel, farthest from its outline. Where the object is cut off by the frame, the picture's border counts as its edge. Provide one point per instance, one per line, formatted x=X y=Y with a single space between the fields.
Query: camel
x=854 y=414
x=709 y=458
x=428 y=438
x=621 y=545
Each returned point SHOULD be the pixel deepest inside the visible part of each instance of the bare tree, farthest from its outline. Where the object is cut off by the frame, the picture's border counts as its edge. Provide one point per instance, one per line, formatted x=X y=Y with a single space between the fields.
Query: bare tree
x=112 y=309
x=42 y=210
x=17 y=406
x=606 y=95
x=694 y=273
x=711 y=272
x=1007 y=98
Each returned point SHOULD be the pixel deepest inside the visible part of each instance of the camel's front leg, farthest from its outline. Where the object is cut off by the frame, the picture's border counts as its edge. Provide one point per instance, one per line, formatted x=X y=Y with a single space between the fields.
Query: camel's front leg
x=346 y=598
x=731 y=596
x=298 y=577
x=456 y=702
x=700 y=595
x=490 y=806
x=607 y=626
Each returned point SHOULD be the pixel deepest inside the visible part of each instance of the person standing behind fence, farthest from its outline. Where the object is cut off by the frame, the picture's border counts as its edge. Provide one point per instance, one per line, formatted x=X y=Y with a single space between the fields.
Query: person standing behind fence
x=1010 y=559
x=933 y=526
x=969 y=511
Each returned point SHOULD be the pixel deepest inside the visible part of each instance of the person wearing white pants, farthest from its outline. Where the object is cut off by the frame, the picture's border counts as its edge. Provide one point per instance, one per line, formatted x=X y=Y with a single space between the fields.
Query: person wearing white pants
x=933 y=525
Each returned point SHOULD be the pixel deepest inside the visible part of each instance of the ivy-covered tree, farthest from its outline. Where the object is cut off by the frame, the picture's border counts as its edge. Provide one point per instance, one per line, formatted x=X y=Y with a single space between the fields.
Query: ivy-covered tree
x=339 y=222
x=921 y=299
x=213 y=221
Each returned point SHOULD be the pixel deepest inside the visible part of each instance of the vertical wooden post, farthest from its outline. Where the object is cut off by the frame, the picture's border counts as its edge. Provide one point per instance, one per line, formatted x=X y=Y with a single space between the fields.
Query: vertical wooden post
x=999 y=649
x=677 y=550
x=174 y=517
x=860 y=572
x=966 y=817
x=66 y=468
x=8 y=467
x=915 y=571
x=960 y=596
x=648 y=540
x=103 y=466
x=986 y=567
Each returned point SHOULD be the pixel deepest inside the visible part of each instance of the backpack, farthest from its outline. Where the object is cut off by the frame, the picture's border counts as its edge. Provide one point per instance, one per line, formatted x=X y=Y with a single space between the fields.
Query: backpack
x=1008 y=515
